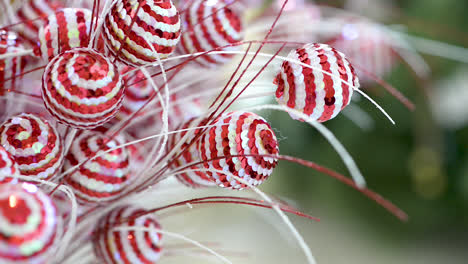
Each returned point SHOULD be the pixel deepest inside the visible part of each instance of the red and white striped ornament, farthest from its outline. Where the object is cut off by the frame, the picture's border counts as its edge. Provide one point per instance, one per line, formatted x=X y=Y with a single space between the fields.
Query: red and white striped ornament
x=35 y=145
x=311 y=91
x=102 y=179
x=12 y=66
x=125 y=246
x=368 y=46
x=33 y=13
x=8 y=166
x=155 y=30
x=82 y=88
x=29 y=227
x=64 y=30
x=239 y=134
x=137 y=92
x=194 y=179
x=209 y=25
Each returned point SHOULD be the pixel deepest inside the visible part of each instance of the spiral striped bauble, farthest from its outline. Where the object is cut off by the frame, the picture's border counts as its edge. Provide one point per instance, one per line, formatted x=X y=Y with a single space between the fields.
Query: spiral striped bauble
x=104 y=178
x=29 y=227
x=33 y=13
x=369 y=47
x=119 y=246
x=81 y=88
x=137 y=92
x=209 y=25
x=35 y=145
x=137 y=31
x=188 y=154
x=64 y=30
x=234 y=145
x=10 y=67
x=8 y=166
x=310 y=90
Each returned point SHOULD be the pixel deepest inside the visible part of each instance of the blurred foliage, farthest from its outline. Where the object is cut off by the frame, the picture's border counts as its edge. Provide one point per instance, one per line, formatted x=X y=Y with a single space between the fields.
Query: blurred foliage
x=420 y=166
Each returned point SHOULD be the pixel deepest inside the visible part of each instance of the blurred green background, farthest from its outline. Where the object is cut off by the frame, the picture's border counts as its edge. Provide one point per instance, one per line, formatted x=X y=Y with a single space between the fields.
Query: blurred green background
x=418 y=164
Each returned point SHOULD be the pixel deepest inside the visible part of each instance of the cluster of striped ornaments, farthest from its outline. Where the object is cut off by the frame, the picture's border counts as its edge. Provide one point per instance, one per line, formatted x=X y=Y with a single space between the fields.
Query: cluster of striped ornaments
x=82 y=88
x=235 y=144
x=369 y=47
x=188 y=154
x=12 y=66
x=35 y=145
x=155 y=32
x=29 y=227
x=8 y=166
x=104 y=178
x=34 y=13
x=209 y=25
x=113 y=244
x=316 y=82
x=64 y=30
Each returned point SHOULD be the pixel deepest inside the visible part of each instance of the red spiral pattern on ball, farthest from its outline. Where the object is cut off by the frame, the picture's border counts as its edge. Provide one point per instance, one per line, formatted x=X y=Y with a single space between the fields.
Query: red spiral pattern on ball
x=137 y=92
x=156 y=26
x=239 y=134
x=13 y=66
x=28 y=224
x=33 y=13
x=104 y=178
x=8 y=166
x=208 y=26
x=35 y=145
x=127 y=247
x=64 y=30
x=82 y=88
x=310 y=91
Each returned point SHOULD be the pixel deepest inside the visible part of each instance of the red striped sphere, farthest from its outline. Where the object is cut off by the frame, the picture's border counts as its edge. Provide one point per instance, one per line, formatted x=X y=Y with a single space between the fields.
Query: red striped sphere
x=137 y=92
x=35 y=145
x=368 y=46
x=12 y=66
x=137 y=31
x=239 y=134
x=66 y=29
x=82 y=88
x=33 y=13
x=127 y=246
x=104 y=178
x=29 y=228
x=318 y=95
x=209 y=25
x=8 y=166
x=194 y=179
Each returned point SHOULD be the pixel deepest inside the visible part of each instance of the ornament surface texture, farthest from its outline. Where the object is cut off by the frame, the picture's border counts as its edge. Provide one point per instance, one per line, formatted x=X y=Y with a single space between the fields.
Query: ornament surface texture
x=82 y=88
x=124 y=246
x=137 y=31
x=310 y=90
x=234 y=145
x=101 y=179
x=29 y=225
x=35 y=145
x=64 y=30
x=209 y=25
